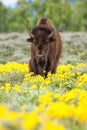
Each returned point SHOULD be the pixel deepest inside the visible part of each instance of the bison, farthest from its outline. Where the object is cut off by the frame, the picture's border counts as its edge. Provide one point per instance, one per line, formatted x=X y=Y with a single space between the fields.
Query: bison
x=46 y=47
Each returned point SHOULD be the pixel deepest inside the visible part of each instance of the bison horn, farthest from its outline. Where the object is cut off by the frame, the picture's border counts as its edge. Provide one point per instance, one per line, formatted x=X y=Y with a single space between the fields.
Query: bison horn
x=51 y=34
x=31 y=35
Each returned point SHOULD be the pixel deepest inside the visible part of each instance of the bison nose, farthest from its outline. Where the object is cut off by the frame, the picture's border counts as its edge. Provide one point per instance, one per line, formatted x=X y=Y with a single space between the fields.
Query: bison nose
x=40 y=57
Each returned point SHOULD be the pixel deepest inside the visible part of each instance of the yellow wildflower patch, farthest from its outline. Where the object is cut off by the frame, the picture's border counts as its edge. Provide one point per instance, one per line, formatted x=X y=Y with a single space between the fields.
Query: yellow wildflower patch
x=30 y=102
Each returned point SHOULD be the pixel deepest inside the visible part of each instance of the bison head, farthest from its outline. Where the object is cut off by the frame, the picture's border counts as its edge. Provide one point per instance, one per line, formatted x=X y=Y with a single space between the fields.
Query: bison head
x=41 y=38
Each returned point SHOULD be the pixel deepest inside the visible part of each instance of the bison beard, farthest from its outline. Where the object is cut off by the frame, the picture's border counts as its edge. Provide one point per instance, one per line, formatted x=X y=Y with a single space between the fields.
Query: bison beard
x=46 y=48
x=41 y=65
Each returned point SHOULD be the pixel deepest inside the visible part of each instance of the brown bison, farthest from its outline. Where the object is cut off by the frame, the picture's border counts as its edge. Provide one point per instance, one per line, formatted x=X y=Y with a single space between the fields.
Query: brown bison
x=45 y=48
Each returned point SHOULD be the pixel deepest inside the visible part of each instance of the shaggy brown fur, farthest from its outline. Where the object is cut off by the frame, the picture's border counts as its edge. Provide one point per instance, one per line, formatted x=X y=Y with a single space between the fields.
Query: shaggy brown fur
x=45 y=48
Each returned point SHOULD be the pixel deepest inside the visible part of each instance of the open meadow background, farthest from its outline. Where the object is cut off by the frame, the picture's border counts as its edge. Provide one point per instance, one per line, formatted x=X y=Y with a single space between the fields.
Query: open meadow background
x=29 y=102
x=14 y=47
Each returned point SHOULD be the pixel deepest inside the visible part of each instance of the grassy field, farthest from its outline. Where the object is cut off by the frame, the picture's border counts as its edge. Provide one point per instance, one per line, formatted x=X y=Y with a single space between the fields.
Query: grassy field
x=13 y=47
x=28 y=102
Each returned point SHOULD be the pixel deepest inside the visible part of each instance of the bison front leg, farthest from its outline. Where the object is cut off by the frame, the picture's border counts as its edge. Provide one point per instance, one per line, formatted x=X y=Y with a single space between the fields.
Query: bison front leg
x=33 y=67
x=51 y=67
x=54 y=66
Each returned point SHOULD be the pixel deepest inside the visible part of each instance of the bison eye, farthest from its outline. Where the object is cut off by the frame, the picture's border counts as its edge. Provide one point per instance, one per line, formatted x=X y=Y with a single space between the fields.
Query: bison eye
x=52 y=39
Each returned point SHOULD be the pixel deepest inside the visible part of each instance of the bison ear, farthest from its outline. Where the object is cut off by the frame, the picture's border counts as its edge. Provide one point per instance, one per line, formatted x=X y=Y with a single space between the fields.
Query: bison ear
x=29 y=39
x=52 y=39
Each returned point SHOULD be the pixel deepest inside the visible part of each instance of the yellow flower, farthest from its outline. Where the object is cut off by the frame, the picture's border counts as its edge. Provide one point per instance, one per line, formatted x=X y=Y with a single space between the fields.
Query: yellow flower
x=14 y=66
x=52 y=126
x=3 y=111
x=25 y=91
x=7 y=86
x=2 y=87
x=73 y=74
x=81 y=80
x=33 y=87
x=45 y=98
x=42 y=87
x=30 y=121
x=47 y=81
x=17 y=88
x=12 y=115
x=57 y=95
x=60 y=110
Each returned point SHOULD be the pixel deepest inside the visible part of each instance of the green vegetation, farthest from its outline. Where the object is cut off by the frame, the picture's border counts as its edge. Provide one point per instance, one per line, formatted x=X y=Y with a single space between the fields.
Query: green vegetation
x=65 y=15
